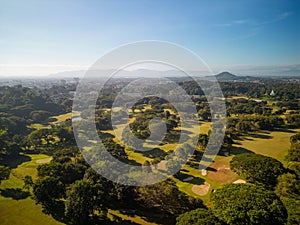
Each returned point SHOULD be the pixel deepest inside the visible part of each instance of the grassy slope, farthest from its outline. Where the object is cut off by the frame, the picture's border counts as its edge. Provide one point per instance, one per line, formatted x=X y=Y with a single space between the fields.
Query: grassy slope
x=274 y=144
x=23 y=211
x=62 y=117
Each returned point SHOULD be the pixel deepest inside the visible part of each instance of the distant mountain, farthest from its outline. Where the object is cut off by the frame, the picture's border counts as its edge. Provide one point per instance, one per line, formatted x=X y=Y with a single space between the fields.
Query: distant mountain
x=223 y=76
x=123 y=73
x=227 y=76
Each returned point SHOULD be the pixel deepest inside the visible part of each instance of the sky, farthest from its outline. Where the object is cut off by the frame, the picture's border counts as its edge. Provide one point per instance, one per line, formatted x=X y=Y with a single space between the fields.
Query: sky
x=42 y=37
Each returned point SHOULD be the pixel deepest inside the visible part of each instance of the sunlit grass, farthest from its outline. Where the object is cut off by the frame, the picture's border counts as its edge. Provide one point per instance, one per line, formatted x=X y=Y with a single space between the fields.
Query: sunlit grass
x=23 y=211
x=274 y=144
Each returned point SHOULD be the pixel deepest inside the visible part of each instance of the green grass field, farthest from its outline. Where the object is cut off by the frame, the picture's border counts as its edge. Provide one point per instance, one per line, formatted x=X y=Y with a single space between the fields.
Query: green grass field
x=274 y=144
x=62 y=117
x=16 y=210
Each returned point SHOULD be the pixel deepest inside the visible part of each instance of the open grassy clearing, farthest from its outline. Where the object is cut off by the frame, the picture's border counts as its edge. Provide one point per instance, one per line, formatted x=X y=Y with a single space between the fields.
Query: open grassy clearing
x=38 y=126
x=62 y=117
x=22 y=210
x=274 y=144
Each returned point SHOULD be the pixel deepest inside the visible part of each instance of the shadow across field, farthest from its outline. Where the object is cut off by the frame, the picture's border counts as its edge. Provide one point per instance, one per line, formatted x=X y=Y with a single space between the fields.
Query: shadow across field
x=154 y=153
x=14 y=193
x=15 y=161
x=192 y=180
x=262 y=136
x=239 y=150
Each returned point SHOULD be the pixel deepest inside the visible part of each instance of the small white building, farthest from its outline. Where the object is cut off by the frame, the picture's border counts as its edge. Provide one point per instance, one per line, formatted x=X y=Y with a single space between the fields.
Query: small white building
x=272 y=93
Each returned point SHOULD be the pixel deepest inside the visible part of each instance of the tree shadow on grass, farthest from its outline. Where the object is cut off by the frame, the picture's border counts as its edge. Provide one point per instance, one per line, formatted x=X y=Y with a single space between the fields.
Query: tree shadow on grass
x=15 y=161
x=155 y=153
x=285 y=130
x=211 y=169
x=239 y=150
x=192 y=179
x=154 y=216
x=261 y=136
x=14 y=193
x=196 y=181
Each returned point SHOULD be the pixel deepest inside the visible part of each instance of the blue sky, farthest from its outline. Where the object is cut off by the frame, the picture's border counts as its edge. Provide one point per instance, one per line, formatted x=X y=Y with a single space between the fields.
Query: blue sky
x=42 y=37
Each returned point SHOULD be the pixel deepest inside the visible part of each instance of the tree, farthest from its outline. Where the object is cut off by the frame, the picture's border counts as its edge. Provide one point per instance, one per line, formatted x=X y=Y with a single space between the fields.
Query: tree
x=48 y=190
x=288 y=186
x=4 y=173
x=72 y=172
x=83 y=198
x=166 y=197
x=294 y=151
x=28 y=182
x=248 y=204
x=288 y=189
x=199 y=216
x=257 y=168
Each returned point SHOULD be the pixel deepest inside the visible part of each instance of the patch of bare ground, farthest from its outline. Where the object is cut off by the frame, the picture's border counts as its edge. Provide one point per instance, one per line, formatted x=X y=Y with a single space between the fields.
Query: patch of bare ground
x=221 y=173
x=201 y=189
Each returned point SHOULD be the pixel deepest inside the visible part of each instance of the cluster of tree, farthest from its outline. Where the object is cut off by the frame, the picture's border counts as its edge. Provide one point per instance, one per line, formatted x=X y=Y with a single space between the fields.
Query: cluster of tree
x=245 y=106
x=293 y=121
x=8 y=147
x=288 y=184
x=49 y=140
x=294 y=151
x=20 y=107
x=284 y=91
x=248 y=123
x=257 y=169
x=290 y=104
x=4 y=173
x=248 y=204
x=269 y=173
x=200 y=216
x=84 y=197
x=28 y=104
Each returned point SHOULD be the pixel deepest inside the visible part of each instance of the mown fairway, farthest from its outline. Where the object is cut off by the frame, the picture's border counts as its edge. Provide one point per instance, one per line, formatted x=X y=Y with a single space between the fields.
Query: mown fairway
x=274 y=144
x=16 y=207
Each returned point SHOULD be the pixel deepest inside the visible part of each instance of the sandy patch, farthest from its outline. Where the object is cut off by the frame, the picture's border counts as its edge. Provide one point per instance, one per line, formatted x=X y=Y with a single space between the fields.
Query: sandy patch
x=46 y=160
x=221 y=173
x=204 y=172
x=201 y=189
x=188 y=179
x=239 y=181
x=162 y=165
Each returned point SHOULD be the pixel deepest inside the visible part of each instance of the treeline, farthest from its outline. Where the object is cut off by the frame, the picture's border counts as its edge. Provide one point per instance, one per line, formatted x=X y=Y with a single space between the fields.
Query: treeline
x=20 y=107
x=249 y=123
x=288 y=187
x=284 y=90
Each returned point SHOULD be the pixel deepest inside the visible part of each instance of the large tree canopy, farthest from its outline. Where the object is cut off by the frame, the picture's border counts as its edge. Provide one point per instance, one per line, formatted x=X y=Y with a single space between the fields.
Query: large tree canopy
x=166 y=197
x=4 y=173
x=199 y=216
x=258 y=169
x=83 y=198
x=248 y=204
